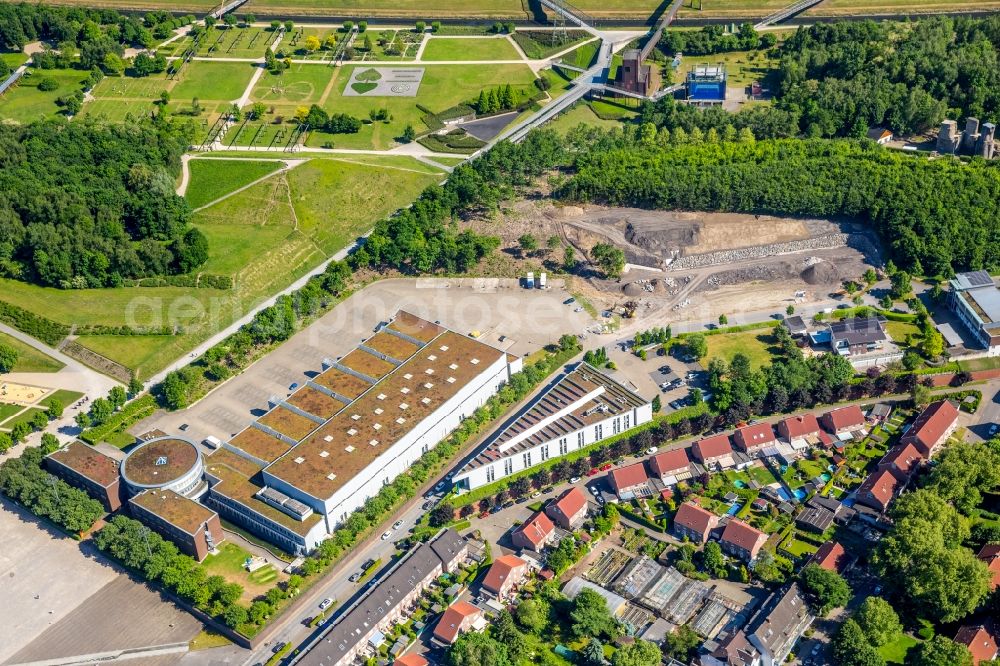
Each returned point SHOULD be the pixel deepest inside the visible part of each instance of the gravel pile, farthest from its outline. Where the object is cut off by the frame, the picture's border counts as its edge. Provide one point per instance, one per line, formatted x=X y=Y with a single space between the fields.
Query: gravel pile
x=760 y=251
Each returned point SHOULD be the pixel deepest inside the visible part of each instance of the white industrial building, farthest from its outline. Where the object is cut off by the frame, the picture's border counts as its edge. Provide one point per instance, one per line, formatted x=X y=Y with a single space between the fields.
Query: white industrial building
x=318 y=455
x=583 y=407
x=975 y=298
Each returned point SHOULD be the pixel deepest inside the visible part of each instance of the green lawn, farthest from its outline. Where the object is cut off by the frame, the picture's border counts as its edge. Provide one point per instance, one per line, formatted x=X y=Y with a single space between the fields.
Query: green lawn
x=755 y=344
x=7 y=410
x=742 y=67
x=580 y=113
x=442 y=87
x=470 y=48
x=211 y=179
x=761 y=475
x=544 y=44
x=64 y=396
x=799 y=548
x=300 y=85
x=213 y=80
x=23 y=417
x=30 y=359
x=228 y=563
x=895 y=651
x=14 y=59
x=583 y=56
x=898 y=330
x=25 y=102
x=421 y=9
x=223 y=42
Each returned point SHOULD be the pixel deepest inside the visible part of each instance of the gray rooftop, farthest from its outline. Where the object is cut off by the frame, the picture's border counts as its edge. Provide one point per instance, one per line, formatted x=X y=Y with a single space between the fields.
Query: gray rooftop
x=988 y=300
x=971 y=280
x=858 y=330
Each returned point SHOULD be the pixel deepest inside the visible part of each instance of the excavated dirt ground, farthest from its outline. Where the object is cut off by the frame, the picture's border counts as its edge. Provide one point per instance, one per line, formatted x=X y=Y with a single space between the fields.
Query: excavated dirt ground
x=694 y=266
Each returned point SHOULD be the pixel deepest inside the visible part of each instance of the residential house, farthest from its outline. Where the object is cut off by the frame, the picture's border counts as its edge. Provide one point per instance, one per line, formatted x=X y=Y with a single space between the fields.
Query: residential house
x=857 y=335
x=799 y=431
x=536 y=533
x=779 y=623
x=715 y=450
x=733 y=650
x=815 y=518
x=981 y=641
x=990 y=554
x=630 y=481
x=880 y=135
x=457 y=619
x=694 y=522
x=932 y=428
x=569 y=510
x=410 y=660
x=741 y=540
x=671 y=466
x=904 y=459
x=843 y=420
x=880 y=489
x=796 y=326
x=832 y=557
x=754 y=439
x=504 y=575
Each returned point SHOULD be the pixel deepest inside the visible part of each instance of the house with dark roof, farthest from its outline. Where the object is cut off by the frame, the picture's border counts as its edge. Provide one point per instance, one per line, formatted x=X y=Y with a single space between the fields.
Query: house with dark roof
x=733 y=650
x=832 y=557
x=879 y=490
x=932 y=428
x=694 y=522
x=630 y=481
x=981 y=640
x=569 y=510
x=990 y=554
x=857 y=335
x=504 y=575
x=843 y=420
x=754 y=439
x=815 y=518
x=536 y=533
x=671 y=466
x=799 y=431
x=715 y=450
x=456 y=620
x=741 y=540
x=778 y=624
x=796 y=326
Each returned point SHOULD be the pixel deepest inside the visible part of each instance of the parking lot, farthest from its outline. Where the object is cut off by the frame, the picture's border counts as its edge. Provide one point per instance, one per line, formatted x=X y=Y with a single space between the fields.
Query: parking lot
x=501 y=312
x=59 y=600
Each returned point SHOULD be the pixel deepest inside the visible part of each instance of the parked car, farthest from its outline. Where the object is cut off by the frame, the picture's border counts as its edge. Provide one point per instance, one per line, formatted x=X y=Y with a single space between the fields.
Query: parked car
x=569 y=301
x=575 y=479
x=651 y=450
x=536 y=495
x=386 y=535
x=355 y=577
x=600 y=500
x=594 y=491
x=993 y=429
x=440 y=486
x=606 y=466
x=326 y=603
x=593 y=471
x=396 y=525
x=278 y=647
x=427 y=506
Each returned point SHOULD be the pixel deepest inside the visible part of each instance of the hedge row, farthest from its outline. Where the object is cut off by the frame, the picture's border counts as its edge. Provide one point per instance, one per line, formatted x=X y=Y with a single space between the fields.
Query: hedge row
x=131 y=413
x=198 y=281
x=46 y=330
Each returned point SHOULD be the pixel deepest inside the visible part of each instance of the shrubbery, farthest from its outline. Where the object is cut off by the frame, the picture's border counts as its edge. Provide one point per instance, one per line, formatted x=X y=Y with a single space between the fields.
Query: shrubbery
x=24 y=481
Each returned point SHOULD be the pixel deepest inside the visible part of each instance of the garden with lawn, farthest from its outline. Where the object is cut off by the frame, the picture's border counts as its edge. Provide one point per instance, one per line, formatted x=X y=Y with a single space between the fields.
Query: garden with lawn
x=755 y=344
x=228 y=563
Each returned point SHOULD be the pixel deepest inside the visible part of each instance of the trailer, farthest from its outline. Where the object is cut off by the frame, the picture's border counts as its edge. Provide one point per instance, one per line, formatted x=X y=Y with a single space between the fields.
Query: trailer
x=529 y=281
x=541 y=281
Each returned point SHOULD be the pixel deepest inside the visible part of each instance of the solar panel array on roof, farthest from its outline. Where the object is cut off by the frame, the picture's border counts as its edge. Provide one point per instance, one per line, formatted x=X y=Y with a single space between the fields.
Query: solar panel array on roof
x=973 y=279
x=283 y=502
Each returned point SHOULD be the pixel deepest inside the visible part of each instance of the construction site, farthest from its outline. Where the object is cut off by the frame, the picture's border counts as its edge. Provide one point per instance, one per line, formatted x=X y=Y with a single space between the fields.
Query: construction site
x=678 y=262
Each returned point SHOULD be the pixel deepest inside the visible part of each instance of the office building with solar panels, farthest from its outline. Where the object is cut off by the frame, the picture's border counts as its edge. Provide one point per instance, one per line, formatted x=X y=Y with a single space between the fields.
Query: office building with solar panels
x=583 y=407
x=975 y=299
x=320 y=453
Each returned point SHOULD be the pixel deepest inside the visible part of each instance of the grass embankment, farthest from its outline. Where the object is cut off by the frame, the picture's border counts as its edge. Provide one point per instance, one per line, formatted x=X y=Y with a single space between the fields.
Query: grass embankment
x=30 y=359
x=462 y=48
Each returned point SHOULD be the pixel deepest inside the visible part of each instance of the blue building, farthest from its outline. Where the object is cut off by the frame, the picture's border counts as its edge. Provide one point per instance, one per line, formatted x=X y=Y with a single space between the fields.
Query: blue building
x=706 y=85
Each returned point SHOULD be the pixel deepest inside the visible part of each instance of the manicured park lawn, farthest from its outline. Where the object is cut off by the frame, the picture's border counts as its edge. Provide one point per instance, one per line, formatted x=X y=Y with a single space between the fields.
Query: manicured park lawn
x=474 y=48
x=895 y=651
x=25 y=102
x=143 y=353
x=211 y=179
x=213 y=80
x=30 y=359
x=7 y=410
x=23 y=417
x=64 y=396
x=14 y=59
x=299 y=85
x=583 y=56
x=228 y=563
x=580 y=113
x=422 y=9
x=754 y=344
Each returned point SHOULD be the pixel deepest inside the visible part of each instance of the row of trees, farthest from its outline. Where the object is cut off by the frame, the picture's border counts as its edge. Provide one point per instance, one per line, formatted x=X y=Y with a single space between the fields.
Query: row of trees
x=90 y=205
x=24 y=481
x=496 y=100
x=714 y=39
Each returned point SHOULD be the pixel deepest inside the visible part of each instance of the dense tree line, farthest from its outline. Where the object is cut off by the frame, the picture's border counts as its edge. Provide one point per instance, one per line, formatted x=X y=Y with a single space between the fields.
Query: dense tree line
x=98 y=29
x=714 y=39
x=842 y=78
x=142 y=550
x=936 y=217
x=24 y=481
x=90 y=205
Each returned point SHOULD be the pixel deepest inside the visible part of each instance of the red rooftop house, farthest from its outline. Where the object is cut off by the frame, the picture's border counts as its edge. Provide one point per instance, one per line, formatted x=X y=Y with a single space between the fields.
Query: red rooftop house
x=933 y=427
x=694 y=522
x=990 y=554
x=742 y=541
x=714 y=450
x=410 y=660
x=458 y=619
x=832 y=557
x=630 y=481
x=843 y=420
x=755 y=438
x=569 y=510
x=903 y=458
x=799 y=431
x=981 y=641
x=671 y=466
x=504 y=575
x=536 y=533
x=880 y=489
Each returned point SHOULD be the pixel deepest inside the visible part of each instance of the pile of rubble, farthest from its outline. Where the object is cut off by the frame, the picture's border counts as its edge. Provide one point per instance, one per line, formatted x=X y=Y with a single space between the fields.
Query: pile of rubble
x=760 y=252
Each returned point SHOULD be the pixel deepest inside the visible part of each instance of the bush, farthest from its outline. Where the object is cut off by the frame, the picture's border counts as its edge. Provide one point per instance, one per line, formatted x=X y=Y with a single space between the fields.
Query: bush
x=24 y=481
